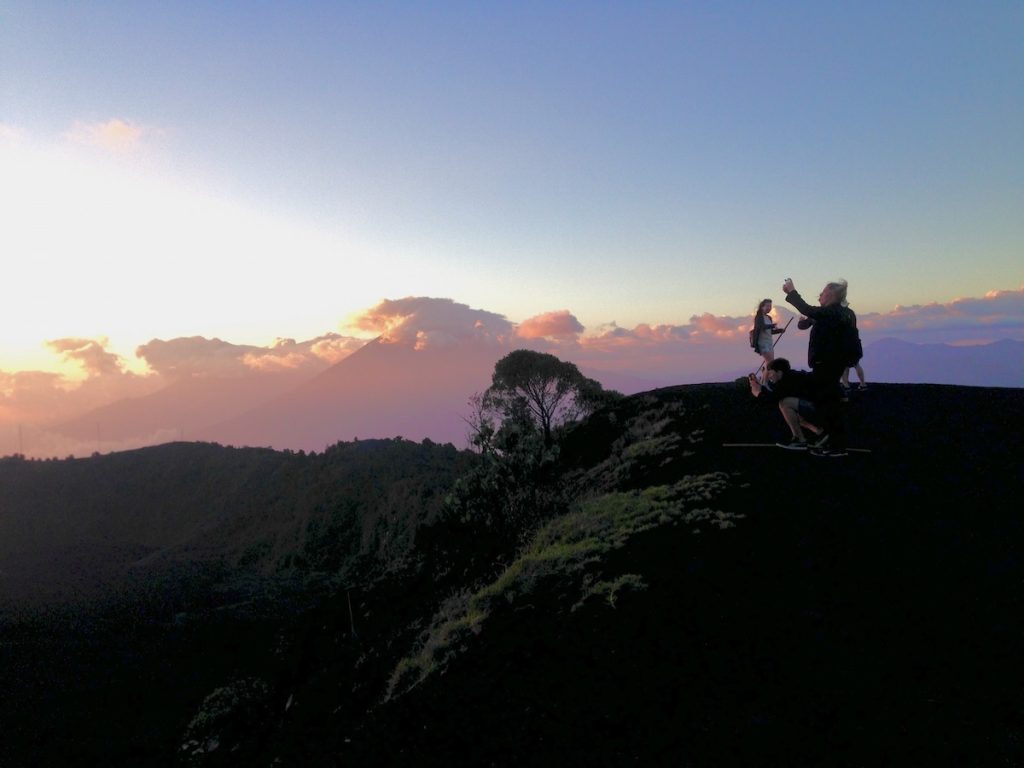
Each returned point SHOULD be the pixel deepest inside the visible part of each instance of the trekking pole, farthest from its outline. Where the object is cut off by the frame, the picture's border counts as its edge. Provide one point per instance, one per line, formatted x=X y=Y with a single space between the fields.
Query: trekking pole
x=774 y=343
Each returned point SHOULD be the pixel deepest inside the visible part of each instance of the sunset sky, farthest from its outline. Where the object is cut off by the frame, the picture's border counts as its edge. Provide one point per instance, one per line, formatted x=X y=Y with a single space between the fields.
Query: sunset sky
x=257 y=171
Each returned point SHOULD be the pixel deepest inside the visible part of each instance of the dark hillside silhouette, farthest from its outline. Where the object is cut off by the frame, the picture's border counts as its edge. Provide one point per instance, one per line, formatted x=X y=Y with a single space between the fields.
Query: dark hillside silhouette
x=699 y=605
x=864 y=610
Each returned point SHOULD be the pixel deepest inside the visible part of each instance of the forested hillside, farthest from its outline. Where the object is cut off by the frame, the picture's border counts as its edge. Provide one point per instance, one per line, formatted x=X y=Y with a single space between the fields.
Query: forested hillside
x=633 y=591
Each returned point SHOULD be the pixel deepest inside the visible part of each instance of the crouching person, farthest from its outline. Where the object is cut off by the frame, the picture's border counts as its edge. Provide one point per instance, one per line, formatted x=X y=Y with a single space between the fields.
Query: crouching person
x=793 y=391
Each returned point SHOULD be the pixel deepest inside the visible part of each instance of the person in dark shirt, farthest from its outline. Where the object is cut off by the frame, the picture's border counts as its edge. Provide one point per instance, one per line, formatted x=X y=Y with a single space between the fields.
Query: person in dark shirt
x=826 y=357
x=792 y=390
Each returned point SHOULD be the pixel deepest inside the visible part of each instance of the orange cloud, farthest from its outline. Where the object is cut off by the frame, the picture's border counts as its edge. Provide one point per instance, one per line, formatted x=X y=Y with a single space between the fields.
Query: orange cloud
x=91 y=353
x=37 y=397
x=115 y=135
x=558 y=324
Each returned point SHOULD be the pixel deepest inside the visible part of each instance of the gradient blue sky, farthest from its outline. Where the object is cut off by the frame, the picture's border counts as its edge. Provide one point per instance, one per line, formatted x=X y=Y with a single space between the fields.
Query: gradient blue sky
x=280 y=167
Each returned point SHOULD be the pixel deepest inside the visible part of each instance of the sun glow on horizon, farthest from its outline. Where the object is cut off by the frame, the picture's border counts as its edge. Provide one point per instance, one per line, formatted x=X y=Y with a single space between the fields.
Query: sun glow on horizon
x=109 y=243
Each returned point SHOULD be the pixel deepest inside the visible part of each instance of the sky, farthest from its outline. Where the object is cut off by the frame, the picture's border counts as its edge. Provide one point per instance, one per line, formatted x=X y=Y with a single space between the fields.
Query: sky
x=266 y=171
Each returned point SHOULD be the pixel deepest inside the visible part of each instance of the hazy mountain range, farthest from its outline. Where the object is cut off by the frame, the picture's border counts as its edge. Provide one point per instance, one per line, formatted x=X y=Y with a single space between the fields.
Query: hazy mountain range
x=389 y=389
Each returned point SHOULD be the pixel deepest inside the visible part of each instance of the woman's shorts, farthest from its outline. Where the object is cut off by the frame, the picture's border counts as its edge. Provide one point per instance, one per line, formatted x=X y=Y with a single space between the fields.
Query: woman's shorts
x=764 y=345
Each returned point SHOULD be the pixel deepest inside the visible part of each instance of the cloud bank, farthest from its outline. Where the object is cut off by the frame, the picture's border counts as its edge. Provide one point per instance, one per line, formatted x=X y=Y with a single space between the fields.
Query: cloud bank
x=994 y=316
x=707 y=348
x=198 y=356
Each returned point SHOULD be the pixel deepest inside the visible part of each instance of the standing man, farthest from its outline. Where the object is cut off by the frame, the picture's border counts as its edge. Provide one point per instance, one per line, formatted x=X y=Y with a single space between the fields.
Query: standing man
x=826 y=355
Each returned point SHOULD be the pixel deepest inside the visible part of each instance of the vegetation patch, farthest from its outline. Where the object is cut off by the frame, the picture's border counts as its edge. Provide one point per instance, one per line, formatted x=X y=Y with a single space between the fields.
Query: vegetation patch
x=609 y=590
x=564 y=558
x=220 y=731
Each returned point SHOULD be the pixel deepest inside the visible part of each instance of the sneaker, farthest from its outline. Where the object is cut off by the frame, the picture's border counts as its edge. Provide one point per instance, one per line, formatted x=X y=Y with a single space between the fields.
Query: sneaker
x=793 y=445
x=832 y=453
x=862 y=387
x=819 y=440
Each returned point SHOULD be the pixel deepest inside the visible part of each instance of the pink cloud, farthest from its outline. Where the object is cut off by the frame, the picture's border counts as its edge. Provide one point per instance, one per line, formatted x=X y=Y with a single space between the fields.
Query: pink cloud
x=722 y=328
x=38 y=397
x=421 y=322
x=28 y=395
x=289 y=355
x=198 y=356
x=333 y=348
x=558 y=324
x=996 y=315
x=702 y=350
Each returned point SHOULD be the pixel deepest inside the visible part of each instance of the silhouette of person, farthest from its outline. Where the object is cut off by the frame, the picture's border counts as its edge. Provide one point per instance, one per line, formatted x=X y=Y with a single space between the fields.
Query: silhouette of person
x=792 y=390
x=764 y=330
x=860 y=376
x=853 y=362
x=828 y=323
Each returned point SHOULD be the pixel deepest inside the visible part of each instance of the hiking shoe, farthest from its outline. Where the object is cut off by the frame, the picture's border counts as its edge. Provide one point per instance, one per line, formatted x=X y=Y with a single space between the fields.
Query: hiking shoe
x=832 y=453
x=793 y=445
x=819 y=440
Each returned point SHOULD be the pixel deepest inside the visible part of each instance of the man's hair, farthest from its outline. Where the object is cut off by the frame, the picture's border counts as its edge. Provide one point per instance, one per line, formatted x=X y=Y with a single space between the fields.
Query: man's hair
x=838 y=289
x=779 y=364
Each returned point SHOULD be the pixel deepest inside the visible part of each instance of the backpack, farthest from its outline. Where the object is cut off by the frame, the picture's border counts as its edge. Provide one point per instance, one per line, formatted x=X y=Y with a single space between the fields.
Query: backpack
x=850 y=348
x=753 y=339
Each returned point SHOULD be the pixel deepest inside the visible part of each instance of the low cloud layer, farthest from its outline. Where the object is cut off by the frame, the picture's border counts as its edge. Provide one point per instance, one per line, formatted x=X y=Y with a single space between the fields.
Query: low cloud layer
x=996 y=315
x=707 y=348
x=198 y=356
x=42 y=398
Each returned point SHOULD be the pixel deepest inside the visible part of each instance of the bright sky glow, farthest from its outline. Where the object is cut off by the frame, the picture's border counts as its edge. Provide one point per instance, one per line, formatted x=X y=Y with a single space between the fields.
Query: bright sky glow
x=265 y=170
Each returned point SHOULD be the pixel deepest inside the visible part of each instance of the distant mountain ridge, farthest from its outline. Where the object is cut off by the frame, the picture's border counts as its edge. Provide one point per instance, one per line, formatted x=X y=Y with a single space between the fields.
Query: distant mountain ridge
x=386 y=390
x=999 y=364
x=179 y=410
x=381 y=390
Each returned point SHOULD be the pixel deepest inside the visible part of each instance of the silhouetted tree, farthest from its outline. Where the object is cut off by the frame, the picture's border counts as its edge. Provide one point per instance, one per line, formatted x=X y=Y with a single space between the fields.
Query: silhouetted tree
x=516 y=485
x=538 y=388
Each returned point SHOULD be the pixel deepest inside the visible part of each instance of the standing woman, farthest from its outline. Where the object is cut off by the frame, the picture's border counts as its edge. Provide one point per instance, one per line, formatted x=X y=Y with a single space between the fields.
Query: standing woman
x=764 y=330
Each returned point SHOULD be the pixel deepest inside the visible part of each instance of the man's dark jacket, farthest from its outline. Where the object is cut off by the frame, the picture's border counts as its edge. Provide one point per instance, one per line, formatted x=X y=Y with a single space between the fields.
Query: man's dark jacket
x=825 y=347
